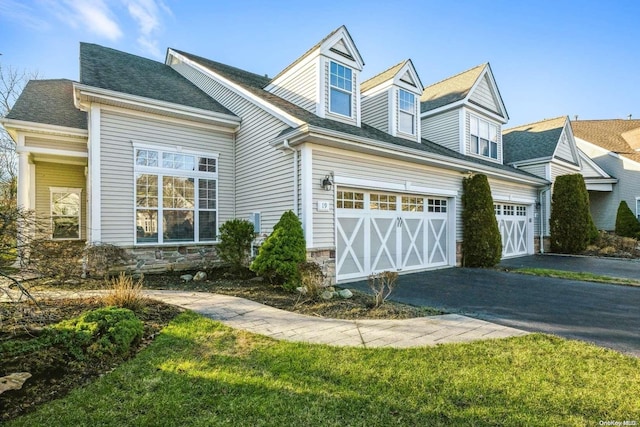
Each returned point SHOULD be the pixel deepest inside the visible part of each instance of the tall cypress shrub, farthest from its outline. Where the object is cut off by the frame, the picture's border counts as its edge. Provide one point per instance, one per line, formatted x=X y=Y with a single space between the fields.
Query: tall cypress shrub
x=571 y=224
x=482 y=243
x=626 y=223
x=281 y=252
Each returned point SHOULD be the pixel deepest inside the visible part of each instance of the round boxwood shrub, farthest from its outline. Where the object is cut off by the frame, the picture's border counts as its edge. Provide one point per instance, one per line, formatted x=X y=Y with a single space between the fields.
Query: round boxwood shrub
x=482 y=243
x=571 y=225
x=236 y=236
x=281 y=252
x=626 y=223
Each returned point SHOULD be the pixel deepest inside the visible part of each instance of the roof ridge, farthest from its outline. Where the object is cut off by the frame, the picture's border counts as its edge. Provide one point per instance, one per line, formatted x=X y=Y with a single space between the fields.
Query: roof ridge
x=388 y=69
x=607 y=120
x=535 y=123
x=456 y=75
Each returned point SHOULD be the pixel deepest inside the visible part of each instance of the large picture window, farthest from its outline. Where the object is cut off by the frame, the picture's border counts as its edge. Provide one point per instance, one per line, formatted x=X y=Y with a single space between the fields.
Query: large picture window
x=176 y=196
x=484 y=138
x=406 y=112
x=340 y=89
x=65 y=213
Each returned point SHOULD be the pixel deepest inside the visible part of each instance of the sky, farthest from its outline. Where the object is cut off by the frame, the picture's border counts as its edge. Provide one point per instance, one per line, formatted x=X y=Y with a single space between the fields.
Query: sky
x=549 y=58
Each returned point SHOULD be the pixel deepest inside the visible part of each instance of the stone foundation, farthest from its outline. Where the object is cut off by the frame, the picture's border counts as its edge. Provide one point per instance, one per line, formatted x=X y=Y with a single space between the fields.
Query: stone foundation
x=546 y=242
x=171 y=258
x=458 y=254
x=326 y=258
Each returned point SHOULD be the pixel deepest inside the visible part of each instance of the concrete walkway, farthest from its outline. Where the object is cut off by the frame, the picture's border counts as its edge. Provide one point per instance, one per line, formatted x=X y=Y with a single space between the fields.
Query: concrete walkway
x=279 y=324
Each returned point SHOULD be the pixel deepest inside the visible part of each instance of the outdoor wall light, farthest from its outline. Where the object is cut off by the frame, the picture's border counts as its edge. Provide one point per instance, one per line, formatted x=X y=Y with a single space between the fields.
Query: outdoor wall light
x=327 y=182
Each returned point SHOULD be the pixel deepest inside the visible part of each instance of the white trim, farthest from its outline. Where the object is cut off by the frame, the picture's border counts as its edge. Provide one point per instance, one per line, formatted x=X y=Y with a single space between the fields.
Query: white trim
x=24 y=180
x=234 y=87
x=293 y=71
x=637 y=210
x=306 y=166
x=51 y=151
x=368 y=184
x=514 y=199
x=174 y=149
x=42 y=127
x=321 y=88
x=494 y=91
x=463 y=130
x=352 y=93
x=94 y=192
x=592 y=164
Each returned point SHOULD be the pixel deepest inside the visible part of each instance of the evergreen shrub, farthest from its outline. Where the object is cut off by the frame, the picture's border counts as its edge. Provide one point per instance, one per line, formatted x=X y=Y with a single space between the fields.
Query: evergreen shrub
x=482 y=243
x=627 y=224
x=234 y=248
x=571 y=225
x=282 y=252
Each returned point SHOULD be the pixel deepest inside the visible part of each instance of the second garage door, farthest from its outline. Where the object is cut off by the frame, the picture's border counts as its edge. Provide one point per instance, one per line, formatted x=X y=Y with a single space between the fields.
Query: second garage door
x=378 y=231
x=512 y=221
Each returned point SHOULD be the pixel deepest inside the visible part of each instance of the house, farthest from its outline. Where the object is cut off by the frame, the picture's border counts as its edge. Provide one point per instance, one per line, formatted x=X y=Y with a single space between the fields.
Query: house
x=614 y=145
x=154 y=156
x=548 y=149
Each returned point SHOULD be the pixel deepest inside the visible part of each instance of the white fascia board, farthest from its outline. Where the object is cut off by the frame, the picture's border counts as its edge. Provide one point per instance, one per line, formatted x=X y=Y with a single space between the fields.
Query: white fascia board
x=566 y=164
x=310 y=57
x=382 y=185
x=512 y=198
x=488 y=114
x=378 y=88
x=592 y=164
x=107 y=96
x=531 y=162
x=409 y=68
x=51 y=151
x=348 y=141
x=344 y=35
x=442 y=109
x=234 y=87
x=23 y=126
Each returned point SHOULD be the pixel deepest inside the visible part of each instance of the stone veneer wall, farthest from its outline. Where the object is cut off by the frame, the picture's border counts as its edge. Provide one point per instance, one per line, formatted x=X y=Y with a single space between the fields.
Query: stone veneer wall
x=326 y=258
x=171 y=258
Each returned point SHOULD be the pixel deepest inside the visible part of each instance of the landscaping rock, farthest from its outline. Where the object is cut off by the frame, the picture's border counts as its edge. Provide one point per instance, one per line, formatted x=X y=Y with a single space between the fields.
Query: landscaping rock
x=302 y=290
x=186 y=277
x=200 y=276
x=345 y=293
x=13 y=381
x=326 y=295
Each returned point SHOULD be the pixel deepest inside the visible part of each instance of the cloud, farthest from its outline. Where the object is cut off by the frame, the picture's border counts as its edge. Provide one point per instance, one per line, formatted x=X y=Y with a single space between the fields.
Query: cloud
x=20 y=12
x=148 y=16
x=93 y=16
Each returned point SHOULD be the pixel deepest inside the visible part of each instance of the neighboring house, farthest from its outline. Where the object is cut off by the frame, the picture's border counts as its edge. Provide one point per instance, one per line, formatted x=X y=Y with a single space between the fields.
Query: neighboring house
x=614 y=145
x=548 y=149
x=154 y=157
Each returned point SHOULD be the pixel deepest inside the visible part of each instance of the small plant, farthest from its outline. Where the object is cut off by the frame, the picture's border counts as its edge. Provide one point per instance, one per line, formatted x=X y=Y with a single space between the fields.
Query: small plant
x=627 y=225
x=281 y=253
x=311 y=279
x=234 y=248
x=125 y=293
x=382 y=285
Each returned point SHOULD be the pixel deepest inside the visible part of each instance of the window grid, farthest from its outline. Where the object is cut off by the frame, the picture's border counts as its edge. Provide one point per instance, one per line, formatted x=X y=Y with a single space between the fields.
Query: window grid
x=497 y=209
x=406 y=116
x=382 y=202
x=341 y=88
x=436 y=205
x=483 y=138
x=349 y=200
x=508 y=210
x=521 y=211
x=412 y=204
x=65 y=214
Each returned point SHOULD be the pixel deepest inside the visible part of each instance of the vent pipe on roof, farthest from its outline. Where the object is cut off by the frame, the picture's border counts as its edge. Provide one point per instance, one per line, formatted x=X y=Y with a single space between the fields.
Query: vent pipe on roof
x=629 y=117
x=575 y=118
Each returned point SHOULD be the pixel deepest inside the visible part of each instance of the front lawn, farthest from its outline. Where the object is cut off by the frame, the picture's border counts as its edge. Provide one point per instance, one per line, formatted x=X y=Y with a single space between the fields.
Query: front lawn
x=201 y=373
x=576 y=275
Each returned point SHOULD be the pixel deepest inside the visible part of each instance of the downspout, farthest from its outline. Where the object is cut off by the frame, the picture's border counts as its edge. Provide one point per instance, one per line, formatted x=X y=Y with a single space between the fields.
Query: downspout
x=286 y=145
x=542 y=217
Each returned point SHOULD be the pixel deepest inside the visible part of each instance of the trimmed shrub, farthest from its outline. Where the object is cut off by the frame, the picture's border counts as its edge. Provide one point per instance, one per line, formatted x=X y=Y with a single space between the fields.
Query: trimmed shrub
x=234 y=248
x=281 y=252
x=482 y=243
x=626 y=223
x=571 y=224
x=108 y=330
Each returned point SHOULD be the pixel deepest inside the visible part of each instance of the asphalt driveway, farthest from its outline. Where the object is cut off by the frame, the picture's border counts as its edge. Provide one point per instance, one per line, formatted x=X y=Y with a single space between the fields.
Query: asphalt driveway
x=607 y=315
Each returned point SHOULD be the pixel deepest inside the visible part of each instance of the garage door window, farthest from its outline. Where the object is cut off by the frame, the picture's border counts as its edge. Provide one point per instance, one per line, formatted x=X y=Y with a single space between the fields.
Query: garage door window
x=382 y=202
x=350 y=200
x=437 y=205
x=412 y=204
x=521 y=211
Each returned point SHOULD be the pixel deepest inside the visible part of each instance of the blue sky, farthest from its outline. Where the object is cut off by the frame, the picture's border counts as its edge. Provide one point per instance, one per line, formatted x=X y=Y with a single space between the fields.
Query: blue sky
x=550 y=58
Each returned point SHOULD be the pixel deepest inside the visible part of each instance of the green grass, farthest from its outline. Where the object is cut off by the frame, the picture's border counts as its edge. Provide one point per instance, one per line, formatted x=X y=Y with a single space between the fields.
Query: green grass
x=201 y=373
x=573 y=275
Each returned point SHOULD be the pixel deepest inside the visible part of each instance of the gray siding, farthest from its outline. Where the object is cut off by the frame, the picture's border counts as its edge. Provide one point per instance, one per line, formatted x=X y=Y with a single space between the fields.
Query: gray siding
x=443 y=129
x=557 y=170
x=354 y=165
x=59 y=175
x=538 y=170
x=264 y=176
x=375 y=110
x=57 y=144
x=563 y=150
x=483 y=95
x=301 y=87
x=116 y=162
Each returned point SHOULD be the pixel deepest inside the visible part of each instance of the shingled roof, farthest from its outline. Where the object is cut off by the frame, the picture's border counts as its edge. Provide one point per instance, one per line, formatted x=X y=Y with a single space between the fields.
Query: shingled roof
x=532 y=141
x=450 y=90
x=49 y=102
x=112 y=69
x=255 y=83
x=382 y=77
x=616 y=135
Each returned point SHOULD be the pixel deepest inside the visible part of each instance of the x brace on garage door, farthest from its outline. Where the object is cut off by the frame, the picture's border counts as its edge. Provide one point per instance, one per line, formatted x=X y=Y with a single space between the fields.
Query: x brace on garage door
x=512 y=222
x=385 y=231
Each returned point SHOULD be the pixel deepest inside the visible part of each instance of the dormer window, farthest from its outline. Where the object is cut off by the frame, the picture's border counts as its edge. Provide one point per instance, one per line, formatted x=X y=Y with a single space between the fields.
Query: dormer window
x=341 y=89
x=484 y=138
x=406 y=112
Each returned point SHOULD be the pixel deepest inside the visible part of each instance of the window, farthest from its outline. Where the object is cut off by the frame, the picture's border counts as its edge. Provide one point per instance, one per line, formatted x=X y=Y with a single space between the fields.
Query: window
x=406 y=112
x=484 y=138
x=436 y=205
x=521 y=211
x=65 y=213
x=176 y=196
x=340 y=89
x=412 y=204
x=382 y=202
x=508 y=210
x=497 y=209
x=350 y=200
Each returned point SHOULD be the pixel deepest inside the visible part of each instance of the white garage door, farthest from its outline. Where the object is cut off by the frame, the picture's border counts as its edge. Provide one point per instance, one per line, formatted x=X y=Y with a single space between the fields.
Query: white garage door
x=512 y=221
x=384 y=231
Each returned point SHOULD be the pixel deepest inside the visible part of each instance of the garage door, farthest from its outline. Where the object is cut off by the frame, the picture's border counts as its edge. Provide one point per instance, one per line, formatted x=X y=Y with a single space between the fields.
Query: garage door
x=384 y=231
x=512 y=221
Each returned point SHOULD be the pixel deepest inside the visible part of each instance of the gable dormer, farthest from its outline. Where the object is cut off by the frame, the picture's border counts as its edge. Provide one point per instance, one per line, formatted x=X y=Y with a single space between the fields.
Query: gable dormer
x=465 y=113
x=566 y=150
x=390 y=101
x=325 y=80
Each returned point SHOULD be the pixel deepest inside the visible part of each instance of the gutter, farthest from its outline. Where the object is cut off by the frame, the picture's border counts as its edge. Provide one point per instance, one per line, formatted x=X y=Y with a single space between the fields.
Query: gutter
x=285 y=145
x=542 y=217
